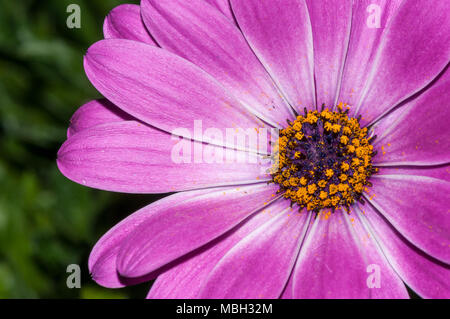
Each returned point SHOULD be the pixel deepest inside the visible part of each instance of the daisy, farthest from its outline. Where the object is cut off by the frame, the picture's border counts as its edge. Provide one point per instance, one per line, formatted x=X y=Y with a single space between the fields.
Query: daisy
x=355 y=206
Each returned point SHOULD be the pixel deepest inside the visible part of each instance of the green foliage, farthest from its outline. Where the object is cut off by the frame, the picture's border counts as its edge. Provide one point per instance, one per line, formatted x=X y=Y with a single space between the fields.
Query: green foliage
x=46 y=221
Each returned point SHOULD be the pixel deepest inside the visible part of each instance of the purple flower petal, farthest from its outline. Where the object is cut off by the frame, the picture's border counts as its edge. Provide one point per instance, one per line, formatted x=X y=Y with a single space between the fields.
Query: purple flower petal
x=198 y=32
x=170 y=233
x=425 y=275
x=259 y=265
x=336 y=260
x=416 y=133
x=440 y=172
x=331 y=23
x=288 y=292
x=162 y=89
x=132 y=157
x=417 y=206
x=406 y=61
x=223 y=6
x=125 y=22
x=365 y=40
x=279 y=32
x=94 y=113
x=102 y=260
x=186 y=279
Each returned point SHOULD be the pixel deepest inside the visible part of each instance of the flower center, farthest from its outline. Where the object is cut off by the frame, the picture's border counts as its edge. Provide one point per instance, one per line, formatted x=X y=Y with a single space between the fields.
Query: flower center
x=324 y=160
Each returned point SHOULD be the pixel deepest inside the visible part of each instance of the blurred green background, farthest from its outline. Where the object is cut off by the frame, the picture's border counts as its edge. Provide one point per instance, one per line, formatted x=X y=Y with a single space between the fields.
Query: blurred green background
x=46 y=221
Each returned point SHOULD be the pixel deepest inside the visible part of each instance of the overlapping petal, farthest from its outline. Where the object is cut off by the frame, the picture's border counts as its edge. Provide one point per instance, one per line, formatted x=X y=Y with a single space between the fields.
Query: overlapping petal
x=279 y=32
x=441 y=172
x=288 y=289
x=232 y=237
x=188 y=224
x=162 y=89
x=94 y=113
x=331 y=23
x=186 y=279
x=268 y=252
x=413 y=51
x=365 y=39
x=125 y=22
x=337 y=259
x=102 y=260
x=416 y=133
x=132 y=157
x=425 y=275
x=200 y=33
x=417 y=206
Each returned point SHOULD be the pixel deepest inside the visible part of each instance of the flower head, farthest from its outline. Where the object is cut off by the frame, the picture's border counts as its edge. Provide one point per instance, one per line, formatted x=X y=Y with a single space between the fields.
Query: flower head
x=355 y=202
x=314 y=151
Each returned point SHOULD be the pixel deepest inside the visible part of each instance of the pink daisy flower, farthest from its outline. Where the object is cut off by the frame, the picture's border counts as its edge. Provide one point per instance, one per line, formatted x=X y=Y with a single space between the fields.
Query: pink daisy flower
x=357 y=205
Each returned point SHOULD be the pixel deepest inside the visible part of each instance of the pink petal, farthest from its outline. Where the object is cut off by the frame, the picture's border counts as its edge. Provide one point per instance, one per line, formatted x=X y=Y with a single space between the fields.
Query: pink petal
x=259 y=265
x=201 y=34
x=417 y=206
x=425 y=275
x=185 y=280
x=223 y=6
x=365 y=40
x=288 y=289
x=124 y=22
x=102 y=260
x=331 y=24
x=416 y=133
x=168 y=234
x=406 y=61
x=162 y=89
x=439 y=172
x=94 y=113
x=132 y=157
x=335 y=262
x=279 y=32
